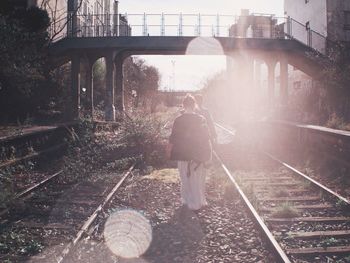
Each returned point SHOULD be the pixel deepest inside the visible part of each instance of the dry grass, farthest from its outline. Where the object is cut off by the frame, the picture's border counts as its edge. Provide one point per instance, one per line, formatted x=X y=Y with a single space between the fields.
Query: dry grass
x=285 y=210
x=164 y=175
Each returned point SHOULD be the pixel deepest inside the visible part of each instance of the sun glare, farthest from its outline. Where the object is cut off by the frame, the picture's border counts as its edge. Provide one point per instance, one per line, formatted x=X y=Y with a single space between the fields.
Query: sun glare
x=204 y=46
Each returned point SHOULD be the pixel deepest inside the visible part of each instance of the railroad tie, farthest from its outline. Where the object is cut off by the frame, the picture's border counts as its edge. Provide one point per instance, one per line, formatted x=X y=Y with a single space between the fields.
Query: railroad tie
x=318 y=234
x=308 y=219
x=318 y=250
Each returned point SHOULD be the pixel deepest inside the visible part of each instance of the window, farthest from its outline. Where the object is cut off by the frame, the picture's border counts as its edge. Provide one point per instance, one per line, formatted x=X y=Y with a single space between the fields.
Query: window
x=347 y=20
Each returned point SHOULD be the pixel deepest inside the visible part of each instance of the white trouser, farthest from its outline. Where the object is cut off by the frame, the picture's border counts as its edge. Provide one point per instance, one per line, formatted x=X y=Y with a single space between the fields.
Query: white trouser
x=192 y=185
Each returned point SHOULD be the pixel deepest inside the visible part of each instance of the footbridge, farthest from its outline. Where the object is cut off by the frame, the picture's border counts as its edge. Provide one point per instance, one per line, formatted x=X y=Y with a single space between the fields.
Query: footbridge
x=245 y=39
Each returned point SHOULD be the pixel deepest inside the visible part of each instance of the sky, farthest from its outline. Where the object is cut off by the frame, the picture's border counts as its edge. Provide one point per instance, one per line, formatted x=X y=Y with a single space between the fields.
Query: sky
x=190 y=72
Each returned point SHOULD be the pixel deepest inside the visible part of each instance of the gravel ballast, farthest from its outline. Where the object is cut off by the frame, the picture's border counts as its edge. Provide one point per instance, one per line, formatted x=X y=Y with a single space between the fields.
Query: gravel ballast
x=220 y=232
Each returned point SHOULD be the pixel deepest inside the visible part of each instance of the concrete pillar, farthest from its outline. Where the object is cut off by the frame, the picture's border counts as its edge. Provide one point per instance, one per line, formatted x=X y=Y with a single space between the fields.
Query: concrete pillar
x=109 y=100
x=229 y=67
x=75 y=88
x=90 y=87
x=271 y=80
x=284 y=81
x=119 y=82
x=257 y=75
x=249 y=67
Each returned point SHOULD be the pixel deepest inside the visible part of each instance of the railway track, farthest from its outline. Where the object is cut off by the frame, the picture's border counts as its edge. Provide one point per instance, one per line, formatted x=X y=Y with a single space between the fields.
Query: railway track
x=29 y=190
x=303 y=220
x=36 y=143
x=53 y=220
x=25 y=161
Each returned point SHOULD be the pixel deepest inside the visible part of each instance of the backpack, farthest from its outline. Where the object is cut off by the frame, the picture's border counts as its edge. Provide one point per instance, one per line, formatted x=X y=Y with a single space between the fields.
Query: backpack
x=190 y=139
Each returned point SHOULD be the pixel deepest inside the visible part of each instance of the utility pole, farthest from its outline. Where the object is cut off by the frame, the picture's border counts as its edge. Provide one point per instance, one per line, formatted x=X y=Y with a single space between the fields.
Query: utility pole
x=173 y=62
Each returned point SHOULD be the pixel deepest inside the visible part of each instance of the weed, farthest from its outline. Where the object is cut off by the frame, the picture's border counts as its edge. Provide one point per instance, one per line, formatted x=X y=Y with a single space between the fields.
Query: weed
x=249 y=191
x=337 y=122
x=13 y=242
x=281 y=193
x=305 y=185
x=342 y=205
x=32 y=247
x=4 y=248
x=347 y=259
x=309 y=172
x=328 y=242
x=285 y=210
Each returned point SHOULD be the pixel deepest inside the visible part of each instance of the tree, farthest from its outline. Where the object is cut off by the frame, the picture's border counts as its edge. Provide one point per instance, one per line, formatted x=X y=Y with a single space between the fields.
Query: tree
x=141 y=83
x=336 y=79
x=23 y=71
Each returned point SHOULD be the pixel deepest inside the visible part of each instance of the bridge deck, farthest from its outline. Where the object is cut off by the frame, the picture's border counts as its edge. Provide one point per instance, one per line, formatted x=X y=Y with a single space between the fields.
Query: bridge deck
x=299 y=55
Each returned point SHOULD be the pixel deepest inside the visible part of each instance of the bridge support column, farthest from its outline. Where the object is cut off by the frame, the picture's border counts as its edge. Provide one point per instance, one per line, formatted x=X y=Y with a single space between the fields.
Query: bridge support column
x=284 y=81
x=110 y=109
x=271 y=80
x=119 y=82
x=90 y=87
x=250 y=73
x=75 y=88
x=257 y=75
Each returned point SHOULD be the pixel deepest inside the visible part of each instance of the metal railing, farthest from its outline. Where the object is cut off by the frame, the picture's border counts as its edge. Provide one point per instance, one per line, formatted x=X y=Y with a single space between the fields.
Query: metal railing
x=206 y=25
x=301 y=32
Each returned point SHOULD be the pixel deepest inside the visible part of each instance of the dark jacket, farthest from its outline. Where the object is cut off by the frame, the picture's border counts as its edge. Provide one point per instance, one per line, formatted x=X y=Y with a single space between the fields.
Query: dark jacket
x=190 y=138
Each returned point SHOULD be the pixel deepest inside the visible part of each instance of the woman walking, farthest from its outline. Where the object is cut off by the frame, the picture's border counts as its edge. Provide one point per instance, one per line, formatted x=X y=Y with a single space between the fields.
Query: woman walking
x=190 y=145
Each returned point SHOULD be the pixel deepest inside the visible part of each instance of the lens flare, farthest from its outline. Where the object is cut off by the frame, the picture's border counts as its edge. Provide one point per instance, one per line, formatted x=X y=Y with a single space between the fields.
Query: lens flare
x=127 y=233
x=204 y=46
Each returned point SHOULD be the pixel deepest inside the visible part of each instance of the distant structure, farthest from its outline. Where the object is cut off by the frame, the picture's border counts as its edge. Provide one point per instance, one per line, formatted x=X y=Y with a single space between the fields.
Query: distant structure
x=256 y=26
x=245 y=72
x=330 y=18
x=84 y=18
x=124 y=27
x=173 y=98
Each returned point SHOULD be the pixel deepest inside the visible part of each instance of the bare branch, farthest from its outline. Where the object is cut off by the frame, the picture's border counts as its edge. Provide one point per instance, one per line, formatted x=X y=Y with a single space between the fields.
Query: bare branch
x=68 y=19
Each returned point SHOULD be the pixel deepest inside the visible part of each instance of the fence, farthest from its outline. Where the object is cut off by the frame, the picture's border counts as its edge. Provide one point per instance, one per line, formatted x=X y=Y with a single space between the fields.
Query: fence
x=206 y=25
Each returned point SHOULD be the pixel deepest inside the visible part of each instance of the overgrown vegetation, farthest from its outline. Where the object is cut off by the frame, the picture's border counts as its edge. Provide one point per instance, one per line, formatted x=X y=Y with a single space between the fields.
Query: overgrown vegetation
x=24 y=78
x=138 y=138
x=8 y=188
x=328 y=242
x=20 y=243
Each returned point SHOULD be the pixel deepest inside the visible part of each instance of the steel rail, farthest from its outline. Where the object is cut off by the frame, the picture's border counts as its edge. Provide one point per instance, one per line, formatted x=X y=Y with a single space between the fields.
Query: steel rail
x=225 y=129
x=278 y=251
x=296 y=171
x=93 y=216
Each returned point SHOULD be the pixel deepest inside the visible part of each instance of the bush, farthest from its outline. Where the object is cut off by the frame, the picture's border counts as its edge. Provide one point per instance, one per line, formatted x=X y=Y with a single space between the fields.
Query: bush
x=337 y=122
x=141 y=137
x=144 y=133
